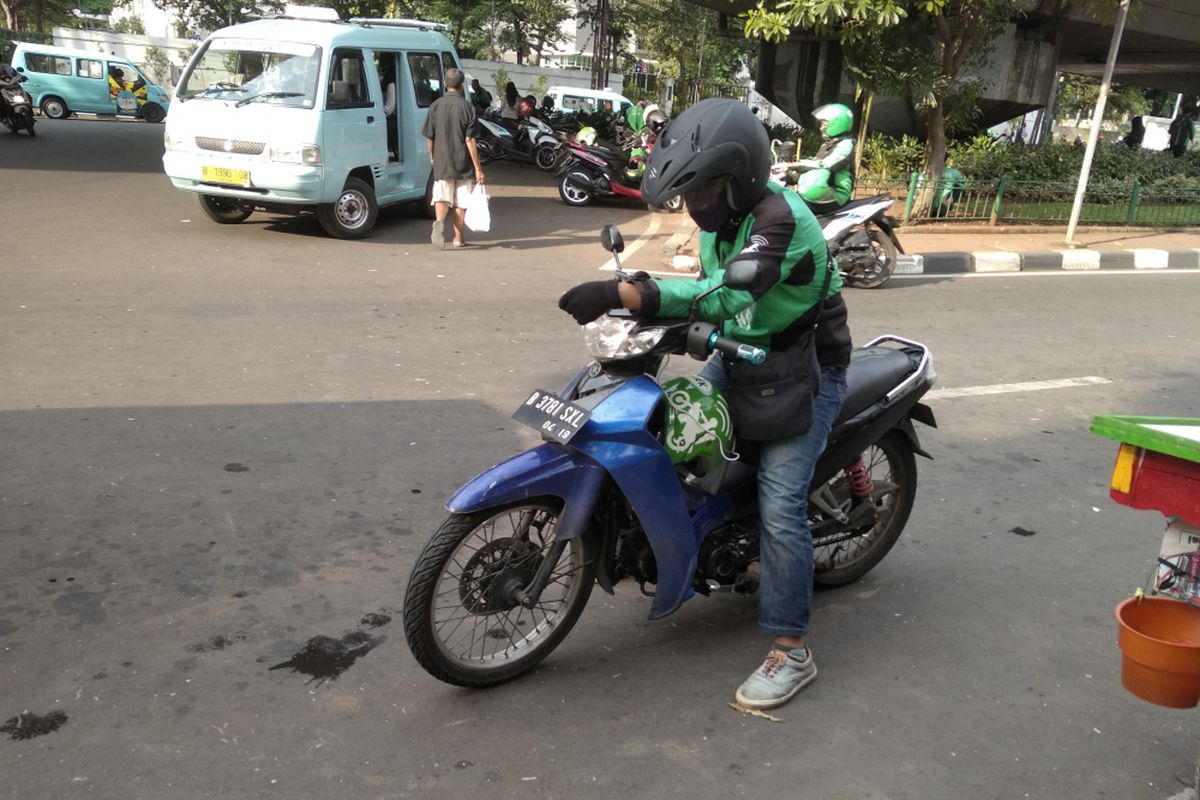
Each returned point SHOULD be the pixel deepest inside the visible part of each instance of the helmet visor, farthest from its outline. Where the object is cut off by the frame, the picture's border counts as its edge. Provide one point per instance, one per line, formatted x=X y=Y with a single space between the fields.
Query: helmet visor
x=700 y=198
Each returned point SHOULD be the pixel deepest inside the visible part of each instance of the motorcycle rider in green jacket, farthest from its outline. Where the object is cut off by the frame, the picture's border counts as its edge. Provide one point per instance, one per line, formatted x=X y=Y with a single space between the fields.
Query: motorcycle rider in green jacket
x=717 y=155
x=828 y=179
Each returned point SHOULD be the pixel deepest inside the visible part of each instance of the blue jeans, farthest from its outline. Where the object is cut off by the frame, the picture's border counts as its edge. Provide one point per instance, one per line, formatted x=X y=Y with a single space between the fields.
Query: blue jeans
x=785 y=470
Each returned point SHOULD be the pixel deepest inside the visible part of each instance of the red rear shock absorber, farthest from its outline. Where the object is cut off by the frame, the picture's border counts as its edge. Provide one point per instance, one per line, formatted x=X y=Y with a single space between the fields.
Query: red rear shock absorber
x=860 y=479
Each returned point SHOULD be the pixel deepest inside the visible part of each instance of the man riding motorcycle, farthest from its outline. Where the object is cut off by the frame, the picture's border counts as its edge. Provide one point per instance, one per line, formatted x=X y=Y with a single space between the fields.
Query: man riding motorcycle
x=717 y=155
x=827 y=182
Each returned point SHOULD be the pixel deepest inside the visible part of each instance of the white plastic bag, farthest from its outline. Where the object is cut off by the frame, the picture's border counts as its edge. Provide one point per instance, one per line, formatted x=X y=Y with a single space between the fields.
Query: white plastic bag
x=478 y=217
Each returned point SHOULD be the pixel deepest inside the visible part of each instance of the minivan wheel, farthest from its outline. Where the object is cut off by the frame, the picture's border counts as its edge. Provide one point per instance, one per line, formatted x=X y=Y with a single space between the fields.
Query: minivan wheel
x=353 y=214
x=223 y=210
x=55 y=108
x=153 y=113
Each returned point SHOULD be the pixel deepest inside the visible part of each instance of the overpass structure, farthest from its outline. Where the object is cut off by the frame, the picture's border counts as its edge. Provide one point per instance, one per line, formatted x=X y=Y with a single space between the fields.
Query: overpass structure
x=1160 y=49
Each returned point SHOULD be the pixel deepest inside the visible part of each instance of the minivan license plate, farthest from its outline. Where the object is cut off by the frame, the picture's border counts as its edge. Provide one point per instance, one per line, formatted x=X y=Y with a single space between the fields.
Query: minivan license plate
x=554 y=417
x=234 y=177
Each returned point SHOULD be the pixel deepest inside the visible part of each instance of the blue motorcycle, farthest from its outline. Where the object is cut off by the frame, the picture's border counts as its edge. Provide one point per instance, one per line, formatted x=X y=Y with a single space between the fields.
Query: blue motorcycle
x=620 y=489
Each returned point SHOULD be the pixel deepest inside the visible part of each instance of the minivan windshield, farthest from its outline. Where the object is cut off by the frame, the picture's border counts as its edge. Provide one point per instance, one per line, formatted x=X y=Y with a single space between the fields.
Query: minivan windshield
x=254 y=71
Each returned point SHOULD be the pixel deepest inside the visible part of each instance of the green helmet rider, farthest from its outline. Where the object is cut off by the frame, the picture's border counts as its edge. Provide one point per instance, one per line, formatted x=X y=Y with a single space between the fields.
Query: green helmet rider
x=829 y=178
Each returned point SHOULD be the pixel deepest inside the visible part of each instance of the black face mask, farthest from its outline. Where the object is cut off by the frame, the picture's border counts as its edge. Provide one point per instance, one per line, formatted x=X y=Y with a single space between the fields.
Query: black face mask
x=714 y=215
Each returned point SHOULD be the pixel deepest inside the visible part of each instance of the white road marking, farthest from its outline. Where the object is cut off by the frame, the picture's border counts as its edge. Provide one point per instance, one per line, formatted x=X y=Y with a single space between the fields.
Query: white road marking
x=1008 y=388
x=655 y=224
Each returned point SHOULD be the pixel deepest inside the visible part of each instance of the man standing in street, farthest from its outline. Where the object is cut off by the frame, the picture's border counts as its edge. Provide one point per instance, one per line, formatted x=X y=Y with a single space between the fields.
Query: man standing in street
x=450 y=131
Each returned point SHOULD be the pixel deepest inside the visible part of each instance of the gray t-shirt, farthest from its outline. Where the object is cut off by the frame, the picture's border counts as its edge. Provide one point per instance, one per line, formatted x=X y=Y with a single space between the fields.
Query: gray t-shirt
x=450 y=121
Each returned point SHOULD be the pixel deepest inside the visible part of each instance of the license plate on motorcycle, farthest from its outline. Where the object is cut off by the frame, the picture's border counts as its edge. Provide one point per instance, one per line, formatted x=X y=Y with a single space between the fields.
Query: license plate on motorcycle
x=233 y=177
x=550 y=415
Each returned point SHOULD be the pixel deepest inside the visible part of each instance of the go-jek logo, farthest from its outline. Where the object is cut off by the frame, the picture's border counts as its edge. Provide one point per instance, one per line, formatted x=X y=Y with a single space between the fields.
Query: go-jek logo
x=757 y=242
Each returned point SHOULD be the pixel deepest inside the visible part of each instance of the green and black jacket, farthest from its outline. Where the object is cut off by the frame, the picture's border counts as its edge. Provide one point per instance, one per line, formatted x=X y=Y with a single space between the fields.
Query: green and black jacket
x=785 y=237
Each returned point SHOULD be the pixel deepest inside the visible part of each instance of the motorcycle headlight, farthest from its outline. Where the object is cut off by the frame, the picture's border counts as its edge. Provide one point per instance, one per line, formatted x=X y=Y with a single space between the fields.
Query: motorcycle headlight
x=610 y=338
x=296 y=154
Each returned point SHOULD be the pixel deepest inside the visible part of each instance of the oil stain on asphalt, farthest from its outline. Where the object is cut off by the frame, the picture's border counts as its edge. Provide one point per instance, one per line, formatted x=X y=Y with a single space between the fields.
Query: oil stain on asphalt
x=29 y=726
x=324 y=658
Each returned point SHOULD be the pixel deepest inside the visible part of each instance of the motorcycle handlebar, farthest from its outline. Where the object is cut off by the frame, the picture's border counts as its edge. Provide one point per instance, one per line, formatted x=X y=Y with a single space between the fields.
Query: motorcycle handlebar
x=737 y=350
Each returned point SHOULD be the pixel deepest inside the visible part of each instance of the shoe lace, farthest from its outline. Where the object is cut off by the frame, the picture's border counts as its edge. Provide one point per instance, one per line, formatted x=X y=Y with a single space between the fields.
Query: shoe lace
x=775 y=660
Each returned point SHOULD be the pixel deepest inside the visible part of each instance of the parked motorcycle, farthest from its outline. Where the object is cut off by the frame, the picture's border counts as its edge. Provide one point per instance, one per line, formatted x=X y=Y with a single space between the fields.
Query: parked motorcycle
x=591 y=171
x=860 y=234
x=16 y=107
x=862 y=237
x=506 y=576
x=537 y=143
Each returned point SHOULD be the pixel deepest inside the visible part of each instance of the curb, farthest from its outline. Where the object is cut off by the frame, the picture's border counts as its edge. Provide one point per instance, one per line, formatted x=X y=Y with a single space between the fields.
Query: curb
x=1081 y=260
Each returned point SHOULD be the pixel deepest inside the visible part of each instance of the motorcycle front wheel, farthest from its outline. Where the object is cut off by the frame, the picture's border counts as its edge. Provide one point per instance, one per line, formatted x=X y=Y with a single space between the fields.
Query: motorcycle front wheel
x=462 y=622
x=843 y=556
x=876 y=273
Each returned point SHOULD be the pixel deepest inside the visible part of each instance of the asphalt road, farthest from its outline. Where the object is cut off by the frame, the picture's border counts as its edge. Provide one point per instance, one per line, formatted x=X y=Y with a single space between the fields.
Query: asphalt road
x=223 y=441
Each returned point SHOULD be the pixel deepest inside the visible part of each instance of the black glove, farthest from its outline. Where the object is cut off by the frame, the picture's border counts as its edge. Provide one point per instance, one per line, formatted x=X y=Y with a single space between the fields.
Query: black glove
x=589 y=300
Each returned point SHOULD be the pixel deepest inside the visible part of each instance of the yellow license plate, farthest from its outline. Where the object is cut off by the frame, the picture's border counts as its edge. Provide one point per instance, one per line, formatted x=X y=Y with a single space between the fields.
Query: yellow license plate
x=234 y=177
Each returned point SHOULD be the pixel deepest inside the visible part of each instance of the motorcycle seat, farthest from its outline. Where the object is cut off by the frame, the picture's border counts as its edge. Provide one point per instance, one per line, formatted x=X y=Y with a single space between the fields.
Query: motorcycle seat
x=873 y=372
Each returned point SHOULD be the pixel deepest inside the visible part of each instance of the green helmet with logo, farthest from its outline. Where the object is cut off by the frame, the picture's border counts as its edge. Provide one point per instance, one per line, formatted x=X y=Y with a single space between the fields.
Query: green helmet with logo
x=839 y=117
x=814 y=186
x=586 y=136
x=698 y=421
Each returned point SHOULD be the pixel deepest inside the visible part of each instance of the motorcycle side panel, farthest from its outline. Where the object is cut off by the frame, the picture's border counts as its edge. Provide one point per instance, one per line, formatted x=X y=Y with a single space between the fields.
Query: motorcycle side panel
x=615 y=442
x=617 y=438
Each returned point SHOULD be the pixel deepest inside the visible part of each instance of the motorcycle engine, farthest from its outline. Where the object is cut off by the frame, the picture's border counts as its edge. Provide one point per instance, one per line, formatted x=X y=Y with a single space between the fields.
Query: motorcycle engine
x=725 y=558
x=856 y=253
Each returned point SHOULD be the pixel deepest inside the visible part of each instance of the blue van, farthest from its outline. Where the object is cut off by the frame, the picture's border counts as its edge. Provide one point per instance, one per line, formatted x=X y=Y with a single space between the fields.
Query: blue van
x=307 y=113
x=63 y=81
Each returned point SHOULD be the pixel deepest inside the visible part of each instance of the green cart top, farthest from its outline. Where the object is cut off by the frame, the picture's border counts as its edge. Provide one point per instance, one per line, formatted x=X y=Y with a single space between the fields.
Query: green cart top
x=1170 y=435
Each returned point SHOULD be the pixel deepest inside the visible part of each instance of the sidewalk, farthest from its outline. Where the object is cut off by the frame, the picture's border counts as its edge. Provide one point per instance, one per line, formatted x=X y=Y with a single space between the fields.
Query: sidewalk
x=980 y=248
x=949 y=249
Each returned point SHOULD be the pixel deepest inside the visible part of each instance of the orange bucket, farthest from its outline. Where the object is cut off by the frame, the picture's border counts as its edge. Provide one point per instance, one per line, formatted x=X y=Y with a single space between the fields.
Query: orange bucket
x=1160 y=645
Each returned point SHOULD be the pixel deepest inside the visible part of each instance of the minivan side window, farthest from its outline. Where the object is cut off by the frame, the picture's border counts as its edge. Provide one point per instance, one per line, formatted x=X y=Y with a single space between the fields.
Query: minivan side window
x=89 y=68
x=426 y=71
x=448 y=62
x=51 y=65
x=348 y=81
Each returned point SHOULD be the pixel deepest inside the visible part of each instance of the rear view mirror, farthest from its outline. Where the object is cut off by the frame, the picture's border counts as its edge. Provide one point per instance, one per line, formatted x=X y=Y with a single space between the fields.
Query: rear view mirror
x=611 y=239
x=742 y=273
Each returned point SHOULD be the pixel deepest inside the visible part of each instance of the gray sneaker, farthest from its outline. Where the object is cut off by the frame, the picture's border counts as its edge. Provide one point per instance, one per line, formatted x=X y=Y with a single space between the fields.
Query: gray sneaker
x=438 y=234
x=779 y=679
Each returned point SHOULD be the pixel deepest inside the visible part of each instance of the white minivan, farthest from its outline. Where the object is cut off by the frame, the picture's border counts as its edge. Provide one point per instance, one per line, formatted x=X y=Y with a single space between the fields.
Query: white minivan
x=291 y=114
x=572 y=99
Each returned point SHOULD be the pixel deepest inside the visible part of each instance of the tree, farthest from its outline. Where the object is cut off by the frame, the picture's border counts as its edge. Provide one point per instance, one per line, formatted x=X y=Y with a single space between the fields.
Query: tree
x=685 y=41
x=212 y=14
x=960 y=32
x=36 y=15
x=1077 y=97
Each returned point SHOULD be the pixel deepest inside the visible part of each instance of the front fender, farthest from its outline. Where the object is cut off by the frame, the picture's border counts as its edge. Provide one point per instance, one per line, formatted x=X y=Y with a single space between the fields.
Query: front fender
x=546 y=470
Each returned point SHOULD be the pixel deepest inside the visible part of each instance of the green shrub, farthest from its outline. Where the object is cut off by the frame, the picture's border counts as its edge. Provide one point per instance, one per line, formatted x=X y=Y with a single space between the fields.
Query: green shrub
x=985 y=159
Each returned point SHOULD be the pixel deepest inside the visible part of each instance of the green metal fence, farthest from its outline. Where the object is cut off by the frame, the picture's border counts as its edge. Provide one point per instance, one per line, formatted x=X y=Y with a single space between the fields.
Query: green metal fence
x=1008 y=200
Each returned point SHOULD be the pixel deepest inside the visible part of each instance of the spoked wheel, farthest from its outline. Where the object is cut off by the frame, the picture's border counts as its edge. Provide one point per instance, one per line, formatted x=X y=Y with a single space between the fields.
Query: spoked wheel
x=875 y=274
x=462 y=618
x=847 y=553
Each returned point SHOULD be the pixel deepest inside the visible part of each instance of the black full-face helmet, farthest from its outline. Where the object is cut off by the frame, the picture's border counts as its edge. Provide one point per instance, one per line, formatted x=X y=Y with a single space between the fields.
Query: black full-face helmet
x=714 y=139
